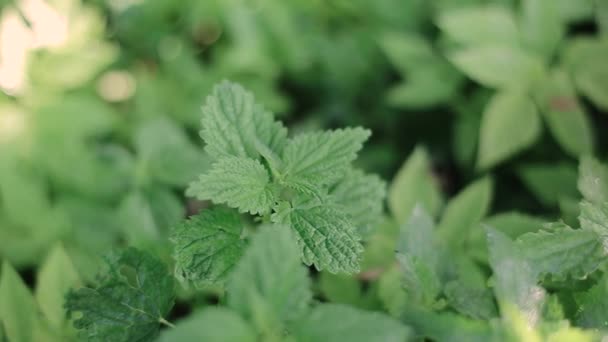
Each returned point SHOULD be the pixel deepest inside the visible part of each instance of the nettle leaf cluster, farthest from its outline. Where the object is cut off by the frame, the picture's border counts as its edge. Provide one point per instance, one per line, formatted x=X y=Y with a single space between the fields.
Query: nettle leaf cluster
x=305 y=182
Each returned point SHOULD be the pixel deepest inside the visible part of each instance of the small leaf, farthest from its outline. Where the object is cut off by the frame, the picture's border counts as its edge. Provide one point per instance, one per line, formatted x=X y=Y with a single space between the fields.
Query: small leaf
x=316 y=159
x=241 y=183
x=414 y=183
x=335 y=322
x=207 y=246
x=480 y=25
x=509 y=125
x=325 y=236
x=585 y=58
x=498 y=66
x=215 y=324
x=128 y=304
x=593 y=306
x=565 y=116
x=593 y=180
x=18 y=310
x=360 y=196
x=55 y=277
x=270 y=279
x=464 y=212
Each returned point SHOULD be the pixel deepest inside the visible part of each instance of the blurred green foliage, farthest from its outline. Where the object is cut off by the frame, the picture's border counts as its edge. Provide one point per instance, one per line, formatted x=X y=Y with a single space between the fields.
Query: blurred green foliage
x=100 y=110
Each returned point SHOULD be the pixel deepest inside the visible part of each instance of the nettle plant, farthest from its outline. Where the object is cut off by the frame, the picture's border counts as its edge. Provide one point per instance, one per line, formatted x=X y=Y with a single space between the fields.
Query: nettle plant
x=311 y=206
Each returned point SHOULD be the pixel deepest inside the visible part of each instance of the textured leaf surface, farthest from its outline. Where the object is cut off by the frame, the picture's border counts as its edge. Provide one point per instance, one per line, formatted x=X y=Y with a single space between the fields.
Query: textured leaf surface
x=211 y=324
x=593 y=306
x=334 y=323
x=316 y=159
x=515 y=279
x=361 y=197
x=325 y=236
x=509 y=125
x=241 y=183
x=129 y=302
x=207 y=246
x=270 y=279
x=233 y=124
x=413 y=184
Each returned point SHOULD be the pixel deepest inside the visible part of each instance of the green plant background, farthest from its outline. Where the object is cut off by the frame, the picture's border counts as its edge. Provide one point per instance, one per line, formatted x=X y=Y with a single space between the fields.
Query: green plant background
x=501 y=98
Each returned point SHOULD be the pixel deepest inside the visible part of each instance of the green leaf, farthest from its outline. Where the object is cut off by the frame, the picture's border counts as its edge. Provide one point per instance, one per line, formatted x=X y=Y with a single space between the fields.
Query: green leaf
x=418 y=258
x=270 y=280
x=211 y=324
x=510 y=124
x=18 y=310
x=498 y=66
x=361 y=197
x=563 y=251
x=334 y=322
x=168 y=155
x=585 y=58
x=55 y=277
x=593 y=180
x=234 y=125
x=464 y=212
x=541 y=26
x=414 y=183
x=480 y=25
x=130 y=301
x=312 y=160
x=241 y=183
x=340 y=288
x=207 y=246
x=474 y=301
x=593 y=306
x=325 y=236
x=550 y=182
x=515 y=279
x=446 y=326
x=594 y=217
x=565 y=116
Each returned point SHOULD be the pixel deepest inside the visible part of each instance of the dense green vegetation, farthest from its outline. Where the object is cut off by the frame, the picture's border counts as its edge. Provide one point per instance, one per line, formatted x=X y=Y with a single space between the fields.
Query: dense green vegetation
x=266 y=170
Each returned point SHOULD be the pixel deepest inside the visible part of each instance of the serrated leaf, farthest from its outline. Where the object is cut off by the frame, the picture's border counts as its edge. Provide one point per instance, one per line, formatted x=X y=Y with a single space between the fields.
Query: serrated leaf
x=312 y=160
x=361 y=197
x=215 y=324
x=414 y=183
x=475 y=302
x=510 y=124
x=480 y=25
x=593 y=180
x=498 y=66
x=594 y=217
x=464 y=212
x=565 y=116
x=593 y=306
x=207 y=246
x=325 y=236
x=18 y=310
x=562 y=251
x=270 y=280
x=515 y=279
x=55 y=277
x=129 y=303
x=335 y=322
x=233 y=124
x=241 y=183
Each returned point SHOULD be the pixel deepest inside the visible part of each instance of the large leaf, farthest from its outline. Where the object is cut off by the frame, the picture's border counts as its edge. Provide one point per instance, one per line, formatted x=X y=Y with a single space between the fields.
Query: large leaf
x=593 y=180
x=480 y=25
x=541 y=26
x=18 y=310
x=211 y=324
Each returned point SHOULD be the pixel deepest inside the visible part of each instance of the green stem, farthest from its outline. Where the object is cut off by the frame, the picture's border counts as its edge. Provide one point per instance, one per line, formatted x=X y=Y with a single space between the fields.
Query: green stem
x=167 y=323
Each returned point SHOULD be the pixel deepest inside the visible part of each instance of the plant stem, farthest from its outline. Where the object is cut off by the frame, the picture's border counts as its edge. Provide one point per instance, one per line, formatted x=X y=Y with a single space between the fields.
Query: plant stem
x=167 y=323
